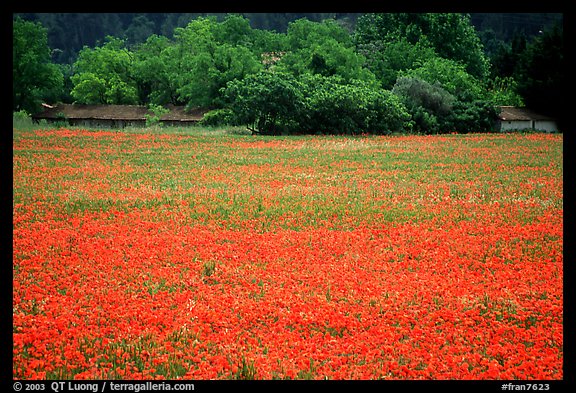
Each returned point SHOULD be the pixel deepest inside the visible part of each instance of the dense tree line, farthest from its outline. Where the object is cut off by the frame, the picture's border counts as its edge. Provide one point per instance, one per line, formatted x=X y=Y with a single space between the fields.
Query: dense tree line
x=374 y=73
x=68 y=33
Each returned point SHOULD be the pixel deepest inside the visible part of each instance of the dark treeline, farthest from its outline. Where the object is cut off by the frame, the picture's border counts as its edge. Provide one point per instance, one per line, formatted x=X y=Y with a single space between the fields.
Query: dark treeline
x=68 y=33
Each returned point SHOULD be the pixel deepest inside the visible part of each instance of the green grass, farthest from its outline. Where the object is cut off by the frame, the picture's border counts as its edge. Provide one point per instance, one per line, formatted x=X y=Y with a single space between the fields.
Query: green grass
x=211 y=174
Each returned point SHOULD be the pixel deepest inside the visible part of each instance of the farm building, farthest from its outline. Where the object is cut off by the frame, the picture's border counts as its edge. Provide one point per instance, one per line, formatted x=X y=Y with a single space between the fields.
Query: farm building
x=114 y=115
x=514 y=119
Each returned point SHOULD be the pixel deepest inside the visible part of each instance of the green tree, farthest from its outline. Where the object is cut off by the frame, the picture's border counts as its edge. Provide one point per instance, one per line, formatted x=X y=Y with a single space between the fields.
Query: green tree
x=272 y=102
x=335 y=106
x=234 y=30
x=139 y=30
x=472 y=110
x=474 y=116
x=506 y=56
x=155 y=69
x=324 y=48
x=34 y=77
x=428 y=104
x=540 y=74
x=193 y=67
x=303 y=33
x=452 y=36
x=210 y=55
x=103 y=75
x=267 y=102
x=504 y=91
x=387 y=58
x=451 y=76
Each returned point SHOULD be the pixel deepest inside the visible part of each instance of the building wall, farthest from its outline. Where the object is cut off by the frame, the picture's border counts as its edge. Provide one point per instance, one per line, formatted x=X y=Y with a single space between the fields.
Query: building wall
x=537 y=125
x=118 y=123
x=96 y=123
x=515 y=125
x=545 y=125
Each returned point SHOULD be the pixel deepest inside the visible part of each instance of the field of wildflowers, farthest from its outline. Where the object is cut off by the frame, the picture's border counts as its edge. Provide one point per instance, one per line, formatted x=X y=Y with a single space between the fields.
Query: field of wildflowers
x=175 y=255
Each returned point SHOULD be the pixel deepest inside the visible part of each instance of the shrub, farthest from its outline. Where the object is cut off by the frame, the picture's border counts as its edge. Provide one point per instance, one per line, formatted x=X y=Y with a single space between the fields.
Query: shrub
x=334 y=106
x=157 y=112
x=428 y=104
x=21 y=120
x=267 y=102
x=275 y=103
x=475 y=116
x=217 y=117
x=436 y=110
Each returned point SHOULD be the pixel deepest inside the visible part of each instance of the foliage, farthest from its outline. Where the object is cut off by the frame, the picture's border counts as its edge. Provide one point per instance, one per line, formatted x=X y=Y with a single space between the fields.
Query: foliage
x=334 y=107
x=322 y=48
x=267 y=102
x=139 y=30
x=387 y=58
x=503 y=91
x=68 y=32
x=540 y=74
x=22 y=120
x=103 y=75
x=155 y=70
x=428 y=104
x=157 y=112
x=472 y=109
x=203 y=57
x=277 y=102
x=451 y=35
x=451 y=76
x=505 y=57
x=422 y=56
x=474 y=116
x=218 y=117
x=34 y=77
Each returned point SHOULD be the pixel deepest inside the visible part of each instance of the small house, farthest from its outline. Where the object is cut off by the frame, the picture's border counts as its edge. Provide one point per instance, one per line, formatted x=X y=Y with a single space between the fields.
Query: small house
x=516 y=119
x=115 y=116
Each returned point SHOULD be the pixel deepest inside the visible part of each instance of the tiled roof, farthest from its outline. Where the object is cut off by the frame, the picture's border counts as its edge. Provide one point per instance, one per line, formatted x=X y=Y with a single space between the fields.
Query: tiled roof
x=508 y=113
x=115 y=112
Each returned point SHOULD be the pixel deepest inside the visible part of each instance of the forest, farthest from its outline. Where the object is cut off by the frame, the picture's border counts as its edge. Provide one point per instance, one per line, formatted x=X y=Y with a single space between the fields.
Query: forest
x=298 y=73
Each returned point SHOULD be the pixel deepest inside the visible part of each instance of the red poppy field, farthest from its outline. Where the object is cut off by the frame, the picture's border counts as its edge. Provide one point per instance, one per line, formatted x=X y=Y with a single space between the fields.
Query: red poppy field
x=182 y=255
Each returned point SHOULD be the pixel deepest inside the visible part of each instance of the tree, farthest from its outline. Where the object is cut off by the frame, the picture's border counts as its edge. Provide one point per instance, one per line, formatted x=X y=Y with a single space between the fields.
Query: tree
x=428 y=104
x=155 y=69
x=540 y=74
x=103 y=75
x=203 y=56
x=211 y=55
x=451 y=36
x=323 y=48
x=504 y=91
x=387 y=58
x=474 y=116
x=303 y=33
x=234 y=30
x=267 y=102
x=272 y=102
x=451 y=76
x=68 y=33
x=139 y=30
x=472 y=108
x=454 y=37
x=335 y=106
x=505 y=57
x=34 y=77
